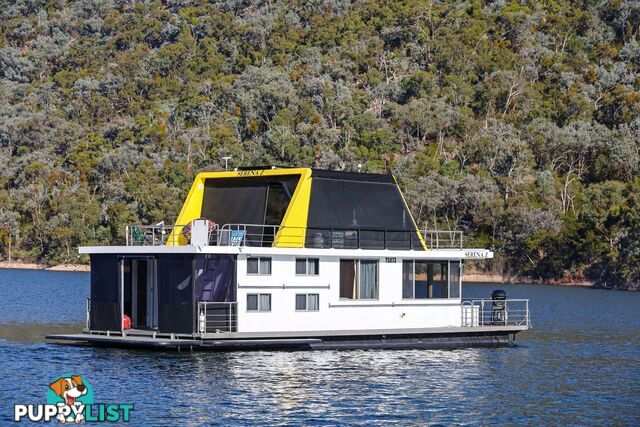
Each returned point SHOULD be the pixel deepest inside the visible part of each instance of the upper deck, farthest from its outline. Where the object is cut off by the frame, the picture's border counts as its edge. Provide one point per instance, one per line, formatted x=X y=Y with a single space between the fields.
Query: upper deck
x=290 y=208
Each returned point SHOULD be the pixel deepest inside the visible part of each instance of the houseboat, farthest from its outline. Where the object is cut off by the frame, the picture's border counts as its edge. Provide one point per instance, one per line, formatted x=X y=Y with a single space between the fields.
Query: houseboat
x=291 y=258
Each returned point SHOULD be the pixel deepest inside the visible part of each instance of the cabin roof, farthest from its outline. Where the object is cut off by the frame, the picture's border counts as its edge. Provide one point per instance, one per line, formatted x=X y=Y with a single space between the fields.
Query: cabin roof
x=303 y=202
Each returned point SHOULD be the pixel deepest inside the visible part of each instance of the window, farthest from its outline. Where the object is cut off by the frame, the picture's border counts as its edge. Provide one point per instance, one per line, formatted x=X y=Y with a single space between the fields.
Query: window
x=358 y=279
x=258 y=302
x=307 y=266
x=455 y=270
x=425 y=279
x=257 y=265
x=307 y=302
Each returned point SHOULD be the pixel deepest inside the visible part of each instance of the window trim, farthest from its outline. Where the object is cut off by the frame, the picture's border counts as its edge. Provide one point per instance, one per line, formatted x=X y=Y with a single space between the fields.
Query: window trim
x=306 y=301
x=413 y=274
x=358 y=260
x=258 y=310
x=306 y=266
x=260 y=258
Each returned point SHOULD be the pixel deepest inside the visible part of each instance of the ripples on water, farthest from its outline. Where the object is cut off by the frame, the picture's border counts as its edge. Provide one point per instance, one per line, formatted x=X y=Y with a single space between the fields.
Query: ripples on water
x=581 y=365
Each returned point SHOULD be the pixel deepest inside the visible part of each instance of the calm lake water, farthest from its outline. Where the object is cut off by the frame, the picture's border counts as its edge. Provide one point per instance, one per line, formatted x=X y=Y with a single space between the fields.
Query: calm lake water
x=580 y=365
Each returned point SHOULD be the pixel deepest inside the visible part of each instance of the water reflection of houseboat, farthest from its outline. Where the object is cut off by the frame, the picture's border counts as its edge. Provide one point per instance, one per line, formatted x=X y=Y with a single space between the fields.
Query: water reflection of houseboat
x=291 y=259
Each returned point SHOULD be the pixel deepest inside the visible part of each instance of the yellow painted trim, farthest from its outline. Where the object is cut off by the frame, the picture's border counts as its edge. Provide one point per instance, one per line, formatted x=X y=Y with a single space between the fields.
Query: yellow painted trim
x=293 y=229
x=296 y=215
x=190 y=210
x=424 y=245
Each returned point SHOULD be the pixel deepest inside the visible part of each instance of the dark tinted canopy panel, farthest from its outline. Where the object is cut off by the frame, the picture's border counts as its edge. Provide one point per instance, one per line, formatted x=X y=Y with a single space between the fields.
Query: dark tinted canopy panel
x=105 y=301
x=346 y=203
x=215 y=278
x=175 y=293
x=248 y=200
x=354 y=210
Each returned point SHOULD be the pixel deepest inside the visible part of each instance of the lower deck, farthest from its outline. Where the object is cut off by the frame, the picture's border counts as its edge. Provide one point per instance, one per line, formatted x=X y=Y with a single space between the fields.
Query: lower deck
x=268 y=298
x=444 y=337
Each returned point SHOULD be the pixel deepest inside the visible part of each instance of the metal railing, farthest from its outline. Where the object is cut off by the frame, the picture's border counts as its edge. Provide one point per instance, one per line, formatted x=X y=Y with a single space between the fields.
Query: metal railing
x=258 y=235
x=87 y=323
x=155 y=235
x=318 y=238
x=489 y=312
x=164 y=234
x=443 y=239
x=215 y=317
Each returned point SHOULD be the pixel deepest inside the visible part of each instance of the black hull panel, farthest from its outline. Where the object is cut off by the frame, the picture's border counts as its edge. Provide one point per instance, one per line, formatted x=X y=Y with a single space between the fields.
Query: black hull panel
x=389 y=341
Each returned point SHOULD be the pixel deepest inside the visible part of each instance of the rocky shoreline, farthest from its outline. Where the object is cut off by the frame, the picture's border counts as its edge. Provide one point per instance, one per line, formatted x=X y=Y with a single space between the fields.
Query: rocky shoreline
x=20 y=265
x=499 y=278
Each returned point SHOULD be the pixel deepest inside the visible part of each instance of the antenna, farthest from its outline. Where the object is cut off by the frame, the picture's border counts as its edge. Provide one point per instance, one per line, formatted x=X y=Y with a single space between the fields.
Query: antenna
x=226 y=162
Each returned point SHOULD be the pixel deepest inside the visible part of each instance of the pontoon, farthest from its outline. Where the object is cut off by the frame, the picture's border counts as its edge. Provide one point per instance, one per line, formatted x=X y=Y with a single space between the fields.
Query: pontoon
x=291 y=258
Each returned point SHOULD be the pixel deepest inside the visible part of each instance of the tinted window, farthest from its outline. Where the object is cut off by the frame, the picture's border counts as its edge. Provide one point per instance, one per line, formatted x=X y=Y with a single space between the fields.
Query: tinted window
x=301 y=302
x=252 y=302
x=252 y=265
x=301 y=266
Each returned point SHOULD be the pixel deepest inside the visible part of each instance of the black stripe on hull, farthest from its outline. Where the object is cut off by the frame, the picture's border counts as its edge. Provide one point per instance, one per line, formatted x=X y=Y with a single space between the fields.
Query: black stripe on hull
x=403 y=341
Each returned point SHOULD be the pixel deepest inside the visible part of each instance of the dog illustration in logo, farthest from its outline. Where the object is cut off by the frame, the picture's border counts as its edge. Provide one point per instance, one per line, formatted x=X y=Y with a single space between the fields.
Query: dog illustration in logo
x=69 y=389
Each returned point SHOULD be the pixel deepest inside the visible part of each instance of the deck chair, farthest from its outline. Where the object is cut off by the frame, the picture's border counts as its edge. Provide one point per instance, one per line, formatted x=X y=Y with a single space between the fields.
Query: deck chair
x=138 y=237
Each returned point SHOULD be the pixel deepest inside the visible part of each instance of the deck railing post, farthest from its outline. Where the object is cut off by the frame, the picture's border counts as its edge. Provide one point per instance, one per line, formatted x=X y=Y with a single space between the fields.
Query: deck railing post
x=505 y=314
x=88 y=321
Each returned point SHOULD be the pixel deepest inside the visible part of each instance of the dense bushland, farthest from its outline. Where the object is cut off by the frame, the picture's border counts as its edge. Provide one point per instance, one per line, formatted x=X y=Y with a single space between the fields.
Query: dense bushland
x=516 y=121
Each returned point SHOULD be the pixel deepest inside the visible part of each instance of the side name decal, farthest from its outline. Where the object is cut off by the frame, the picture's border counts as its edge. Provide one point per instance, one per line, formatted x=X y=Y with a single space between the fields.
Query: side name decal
x=476 y=254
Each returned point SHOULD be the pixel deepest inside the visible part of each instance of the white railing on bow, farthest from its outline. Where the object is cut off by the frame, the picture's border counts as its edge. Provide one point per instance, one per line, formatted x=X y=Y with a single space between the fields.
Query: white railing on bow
x=490 y=312
x=216 y=317
x=443 y=239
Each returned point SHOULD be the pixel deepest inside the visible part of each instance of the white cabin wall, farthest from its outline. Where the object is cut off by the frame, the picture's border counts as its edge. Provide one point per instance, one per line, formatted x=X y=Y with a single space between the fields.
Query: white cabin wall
x=334 y=313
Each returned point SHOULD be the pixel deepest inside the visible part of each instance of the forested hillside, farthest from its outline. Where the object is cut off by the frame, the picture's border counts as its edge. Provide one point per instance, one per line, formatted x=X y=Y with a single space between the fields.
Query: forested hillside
x=517 y=122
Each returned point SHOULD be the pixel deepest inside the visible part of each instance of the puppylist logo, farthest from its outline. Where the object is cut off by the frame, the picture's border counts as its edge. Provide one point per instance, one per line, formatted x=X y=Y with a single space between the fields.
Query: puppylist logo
x=70 y=400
